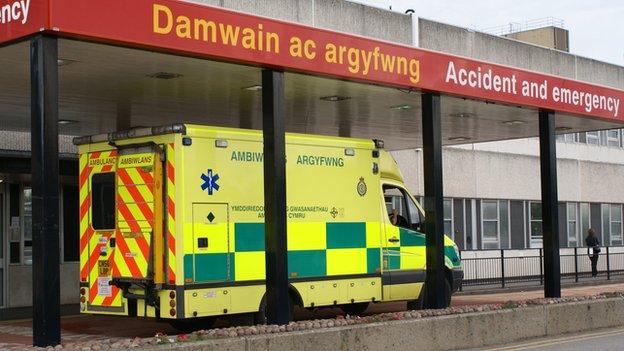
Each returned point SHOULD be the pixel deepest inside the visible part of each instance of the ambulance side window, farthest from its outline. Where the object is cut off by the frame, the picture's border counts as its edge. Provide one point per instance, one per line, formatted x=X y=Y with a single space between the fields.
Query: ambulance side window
x=103 y=201
x=414 y=213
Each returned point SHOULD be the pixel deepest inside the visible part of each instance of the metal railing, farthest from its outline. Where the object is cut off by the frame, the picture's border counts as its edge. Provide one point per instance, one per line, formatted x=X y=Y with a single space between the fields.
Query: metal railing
x=505 y=268
x=514 y=27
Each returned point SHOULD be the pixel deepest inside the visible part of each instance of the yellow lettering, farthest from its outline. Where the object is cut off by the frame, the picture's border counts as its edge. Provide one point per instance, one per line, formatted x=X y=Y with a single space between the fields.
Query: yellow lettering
x=295 y=47
x=158 y=11
x=249 y=38
x=204 y=27
x=183 y=27
x=330 y=53
x=272 y=40
x=229 y=34
x=414 y=67
x=310 y=52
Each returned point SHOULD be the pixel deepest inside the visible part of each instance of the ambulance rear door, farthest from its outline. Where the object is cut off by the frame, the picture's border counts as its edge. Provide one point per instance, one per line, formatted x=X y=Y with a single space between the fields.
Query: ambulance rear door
x=139 y=200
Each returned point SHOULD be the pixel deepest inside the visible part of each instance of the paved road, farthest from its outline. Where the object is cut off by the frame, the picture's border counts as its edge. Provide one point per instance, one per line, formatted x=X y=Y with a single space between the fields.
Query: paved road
x=612 y=339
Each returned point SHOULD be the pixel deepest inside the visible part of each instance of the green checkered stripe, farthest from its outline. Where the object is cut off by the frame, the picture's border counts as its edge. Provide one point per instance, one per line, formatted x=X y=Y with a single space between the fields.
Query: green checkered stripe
x=249 y=237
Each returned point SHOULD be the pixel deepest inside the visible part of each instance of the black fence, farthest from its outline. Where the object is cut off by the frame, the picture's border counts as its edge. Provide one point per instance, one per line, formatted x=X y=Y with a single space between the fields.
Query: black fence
x=504 y=268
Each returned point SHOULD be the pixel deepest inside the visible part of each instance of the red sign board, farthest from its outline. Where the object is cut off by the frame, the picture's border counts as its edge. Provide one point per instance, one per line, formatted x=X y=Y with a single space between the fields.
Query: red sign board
x=199 y=30
x=20 y=18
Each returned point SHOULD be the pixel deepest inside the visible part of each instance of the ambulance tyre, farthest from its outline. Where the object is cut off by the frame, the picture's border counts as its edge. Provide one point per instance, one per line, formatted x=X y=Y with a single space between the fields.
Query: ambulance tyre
x=260 y=317
x=355 y=309
x=192 y=324
x=421 y=303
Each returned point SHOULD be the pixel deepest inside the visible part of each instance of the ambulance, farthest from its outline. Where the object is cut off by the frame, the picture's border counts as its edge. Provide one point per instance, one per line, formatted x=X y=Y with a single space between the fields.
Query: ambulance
x=172 y=225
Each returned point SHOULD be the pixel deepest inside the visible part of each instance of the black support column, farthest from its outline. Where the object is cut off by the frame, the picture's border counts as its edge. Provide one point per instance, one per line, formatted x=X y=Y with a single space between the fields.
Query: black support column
x=45 y=190
x=434 y=201
x=550 y=209
x=277 y=299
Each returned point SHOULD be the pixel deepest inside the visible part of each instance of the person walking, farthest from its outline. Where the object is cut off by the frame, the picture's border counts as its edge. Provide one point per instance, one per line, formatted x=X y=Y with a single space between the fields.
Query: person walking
x=593 y=250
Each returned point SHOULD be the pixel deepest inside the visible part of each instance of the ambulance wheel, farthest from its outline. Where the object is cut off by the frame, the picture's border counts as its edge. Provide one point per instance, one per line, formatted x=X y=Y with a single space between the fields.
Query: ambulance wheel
x=354 y=309
x=193 y=324
x=260 y=317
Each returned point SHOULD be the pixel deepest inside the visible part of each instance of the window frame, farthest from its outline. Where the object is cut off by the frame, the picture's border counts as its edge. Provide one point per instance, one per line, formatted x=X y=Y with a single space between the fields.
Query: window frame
x=576 y=210
x=483 y=221
x=405 y=197
x=450 y=219
x=533 y=239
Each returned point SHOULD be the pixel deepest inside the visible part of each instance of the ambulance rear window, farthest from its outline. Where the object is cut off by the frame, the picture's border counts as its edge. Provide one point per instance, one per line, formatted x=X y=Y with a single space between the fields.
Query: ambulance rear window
x=103 y=201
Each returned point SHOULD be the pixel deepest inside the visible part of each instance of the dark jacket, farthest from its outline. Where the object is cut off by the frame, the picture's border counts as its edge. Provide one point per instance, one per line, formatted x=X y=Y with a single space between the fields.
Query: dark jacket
x=592 y=241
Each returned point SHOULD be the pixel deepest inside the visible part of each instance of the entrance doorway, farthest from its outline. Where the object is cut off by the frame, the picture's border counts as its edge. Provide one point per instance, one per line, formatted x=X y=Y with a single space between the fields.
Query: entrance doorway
x=3 y=245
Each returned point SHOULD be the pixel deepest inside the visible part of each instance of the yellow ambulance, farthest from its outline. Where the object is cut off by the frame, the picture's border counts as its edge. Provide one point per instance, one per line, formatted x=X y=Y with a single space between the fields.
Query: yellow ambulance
x=172 y=224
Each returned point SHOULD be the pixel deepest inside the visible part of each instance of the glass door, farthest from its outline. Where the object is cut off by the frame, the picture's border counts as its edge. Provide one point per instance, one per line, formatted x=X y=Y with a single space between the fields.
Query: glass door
x=3 y=239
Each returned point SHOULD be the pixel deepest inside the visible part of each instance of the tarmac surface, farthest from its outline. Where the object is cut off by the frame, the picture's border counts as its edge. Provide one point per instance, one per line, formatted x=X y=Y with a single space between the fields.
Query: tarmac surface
x=16 y=334
x=603 y=340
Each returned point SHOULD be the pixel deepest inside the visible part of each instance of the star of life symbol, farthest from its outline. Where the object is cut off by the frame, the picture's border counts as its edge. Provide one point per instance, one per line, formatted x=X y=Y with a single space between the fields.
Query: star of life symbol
x=334 y=212
x=210 y=182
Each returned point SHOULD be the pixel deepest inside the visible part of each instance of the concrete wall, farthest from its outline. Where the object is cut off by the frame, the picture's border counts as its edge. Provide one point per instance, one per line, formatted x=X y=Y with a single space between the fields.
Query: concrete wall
x=20 y=285
x=482 y=46
x=339 y=15
x=452 y=332
x=480 y=173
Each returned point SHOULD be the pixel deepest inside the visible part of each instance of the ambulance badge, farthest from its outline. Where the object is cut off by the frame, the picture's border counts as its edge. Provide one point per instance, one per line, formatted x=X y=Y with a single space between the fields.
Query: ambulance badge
x=209 y=182
x=361 y=187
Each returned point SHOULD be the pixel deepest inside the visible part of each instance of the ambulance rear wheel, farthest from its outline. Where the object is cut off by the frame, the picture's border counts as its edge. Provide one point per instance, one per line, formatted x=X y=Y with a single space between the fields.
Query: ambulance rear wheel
x=192 y=324
x=354 y=309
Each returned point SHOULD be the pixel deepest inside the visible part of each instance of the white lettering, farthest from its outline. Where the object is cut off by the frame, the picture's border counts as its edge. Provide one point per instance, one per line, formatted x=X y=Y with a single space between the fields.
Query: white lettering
x=17 y=11
x=25 y=9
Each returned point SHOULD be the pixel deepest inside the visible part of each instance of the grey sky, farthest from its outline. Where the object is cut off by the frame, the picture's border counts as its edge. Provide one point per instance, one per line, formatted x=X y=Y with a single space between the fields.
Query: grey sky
x=595 y=26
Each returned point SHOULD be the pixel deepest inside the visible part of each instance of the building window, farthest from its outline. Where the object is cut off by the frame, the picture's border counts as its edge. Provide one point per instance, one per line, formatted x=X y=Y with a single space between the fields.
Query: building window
x=27 y=226
x=571 y=138
x=612 y=224
x=103 y=201
x=585 y=219
x=592 y=138
x=572 y=211
x=613 y=138
x=448 y=218
x=535 y=227
x=494 y=223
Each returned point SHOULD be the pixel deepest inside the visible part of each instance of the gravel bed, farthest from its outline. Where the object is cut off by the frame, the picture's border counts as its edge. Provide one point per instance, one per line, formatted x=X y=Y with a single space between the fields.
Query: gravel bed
x=339 y=321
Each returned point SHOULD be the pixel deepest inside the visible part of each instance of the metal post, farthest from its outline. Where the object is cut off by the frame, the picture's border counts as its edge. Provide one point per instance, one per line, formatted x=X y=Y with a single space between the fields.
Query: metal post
x=45 y=191
x=550 y=209
x=502 y=268
x=460 y=260
x=541 y=266
x=576 y=272
x=608 y=264
x=277 y=298
x=434 y=201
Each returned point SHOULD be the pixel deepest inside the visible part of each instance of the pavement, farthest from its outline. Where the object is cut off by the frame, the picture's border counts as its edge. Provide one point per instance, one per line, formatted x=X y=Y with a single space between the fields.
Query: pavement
x=17 y=334
x=603 y=340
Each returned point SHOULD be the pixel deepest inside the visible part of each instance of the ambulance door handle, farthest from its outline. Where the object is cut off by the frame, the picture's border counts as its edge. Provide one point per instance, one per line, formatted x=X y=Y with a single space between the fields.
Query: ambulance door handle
x=393 y=239
x=202 y=243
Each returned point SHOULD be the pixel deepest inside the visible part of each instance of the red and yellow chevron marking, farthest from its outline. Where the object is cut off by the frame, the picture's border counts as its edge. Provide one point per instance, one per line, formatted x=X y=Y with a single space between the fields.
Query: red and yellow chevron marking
x=91 y=243
x=135 y=221
x=170 y=206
